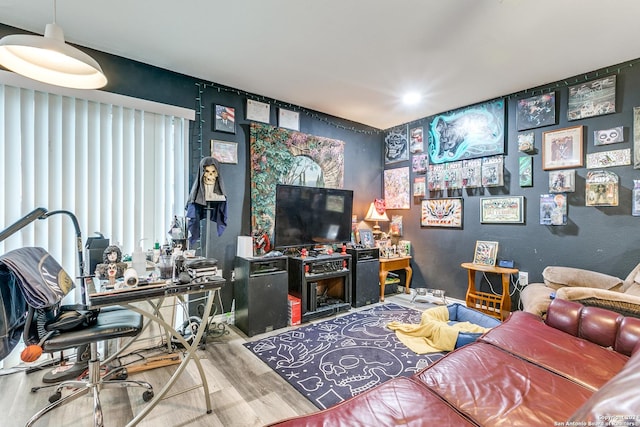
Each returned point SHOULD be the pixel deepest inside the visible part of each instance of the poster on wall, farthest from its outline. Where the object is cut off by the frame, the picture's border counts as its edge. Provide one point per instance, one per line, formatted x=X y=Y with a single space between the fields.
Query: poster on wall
x=536 y=111
x=468 y=133
x=593 y=98
x=396 y=145
x=396 y=188
x=416 y=139
x=525 y=171
x=441 y=213
x=607 y=159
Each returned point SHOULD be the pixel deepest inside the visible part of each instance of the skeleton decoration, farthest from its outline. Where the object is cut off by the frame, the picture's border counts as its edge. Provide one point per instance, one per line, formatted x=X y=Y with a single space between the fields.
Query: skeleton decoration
x=207 y=194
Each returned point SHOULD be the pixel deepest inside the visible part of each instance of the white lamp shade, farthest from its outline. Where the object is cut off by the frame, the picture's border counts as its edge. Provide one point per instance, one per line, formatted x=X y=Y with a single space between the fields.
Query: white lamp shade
x=374 y=215
x=50 y=60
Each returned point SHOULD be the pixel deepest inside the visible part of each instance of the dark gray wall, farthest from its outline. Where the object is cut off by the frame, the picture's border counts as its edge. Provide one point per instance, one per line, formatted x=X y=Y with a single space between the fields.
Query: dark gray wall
x=598 y=238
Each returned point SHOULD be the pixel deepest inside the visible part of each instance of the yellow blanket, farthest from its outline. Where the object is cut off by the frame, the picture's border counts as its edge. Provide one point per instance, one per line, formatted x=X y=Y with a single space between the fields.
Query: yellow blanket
x=433 y=334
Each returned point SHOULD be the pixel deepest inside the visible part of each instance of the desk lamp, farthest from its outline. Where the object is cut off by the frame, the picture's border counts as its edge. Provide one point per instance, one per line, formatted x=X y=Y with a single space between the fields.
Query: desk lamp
x=377 y=213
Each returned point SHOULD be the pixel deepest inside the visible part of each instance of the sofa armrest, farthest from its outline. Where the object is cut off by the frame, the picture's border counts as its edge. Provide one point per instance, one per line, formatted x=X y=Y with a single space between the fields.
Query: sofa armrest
x=627 y=305
x=558 y=277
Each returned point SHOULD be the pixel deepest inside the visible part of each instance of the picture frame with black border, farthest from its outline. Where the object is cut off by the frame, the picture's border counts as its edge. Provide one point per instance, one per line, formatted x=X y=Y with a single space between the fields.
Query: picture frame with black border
x=224 y=118
x=502 y=210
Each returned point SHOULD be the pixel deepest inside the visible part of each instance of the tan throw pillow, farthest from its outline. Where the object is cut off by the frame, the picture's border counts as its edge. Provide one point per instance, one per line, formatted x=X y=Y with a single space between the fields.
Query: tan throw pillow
x=568 y=276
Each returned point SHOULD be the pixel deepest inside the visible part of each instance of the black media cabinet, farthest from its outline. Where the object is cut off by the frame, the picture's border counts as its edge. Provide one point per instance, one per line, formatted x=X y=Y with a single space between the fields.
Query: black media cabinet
x=323 y=284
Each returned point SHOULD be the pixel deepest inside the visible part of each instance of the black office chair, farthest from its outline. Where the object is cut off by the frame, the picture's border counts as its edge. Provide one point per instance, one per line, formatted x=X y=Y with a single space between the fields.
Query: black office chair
x=33 y=284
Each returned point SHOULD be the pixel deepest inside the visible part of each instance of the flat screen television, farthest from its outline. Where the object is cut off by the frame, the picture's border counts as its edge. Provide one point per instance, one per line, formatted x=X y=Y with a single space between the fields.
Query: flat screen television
x=307 y=216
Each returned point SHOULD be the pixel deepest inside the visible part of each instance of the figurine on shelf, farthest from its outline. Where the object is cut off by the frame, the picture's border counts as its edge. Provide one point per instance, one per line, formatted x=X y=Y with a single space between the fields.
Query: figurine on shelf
x=112 y=266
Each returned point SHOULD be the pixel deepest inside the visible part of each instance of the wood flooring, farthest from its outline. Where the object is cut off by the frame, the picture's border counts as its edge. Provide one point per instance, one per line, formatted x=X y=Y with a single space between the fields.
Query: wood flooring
x=244 y=392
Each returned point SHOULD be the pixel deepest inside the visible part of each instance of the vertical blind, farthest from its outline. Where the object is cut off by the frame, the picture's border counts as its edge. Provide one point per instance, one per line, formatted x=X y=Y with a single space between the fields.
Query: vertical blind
x=121 y=169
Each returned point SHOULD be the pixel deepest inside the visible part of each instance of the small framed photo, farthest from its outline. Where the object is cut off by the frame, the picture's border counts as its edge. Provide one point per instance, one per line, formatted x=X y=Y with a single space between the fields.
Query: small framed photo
x=288 y=119
x=486 y=253
x=224 y=152
x=258 y=111
x=366 y=238
x=502 y=210
x=562 y=148
x=224 y=119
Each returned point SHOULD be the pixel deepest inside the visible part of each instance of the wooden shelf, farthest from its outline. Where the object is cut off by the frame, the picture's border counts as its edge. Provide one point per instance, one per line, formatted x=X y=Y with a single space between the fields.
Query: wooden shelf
x=498 y=306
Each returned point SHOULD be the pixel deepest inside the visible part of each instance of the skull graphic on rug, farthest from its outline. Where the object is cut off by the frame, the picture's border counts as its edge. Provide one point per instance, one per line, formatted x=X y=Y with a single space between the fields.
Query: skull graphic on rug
x=345 y=368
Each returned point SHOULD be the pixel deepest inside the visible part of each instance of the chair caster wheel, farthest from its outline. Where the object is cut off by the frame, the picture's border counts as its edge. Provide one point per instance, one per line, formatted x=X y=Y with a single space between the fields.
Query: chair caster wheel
x=147 y=395
x=55 y=397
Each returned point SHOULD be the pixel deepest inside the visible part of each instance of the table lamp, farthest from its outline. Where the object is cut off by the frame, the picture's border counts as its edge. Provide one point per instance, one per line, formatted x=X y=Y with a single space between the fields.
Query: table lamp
x=377 y=213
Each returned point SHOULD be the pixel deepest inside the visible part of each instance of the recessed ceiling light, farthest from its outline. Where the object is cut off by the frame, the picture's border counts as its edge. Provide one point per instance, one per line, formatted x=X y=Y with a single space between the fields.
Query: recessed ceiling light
x=411 y=98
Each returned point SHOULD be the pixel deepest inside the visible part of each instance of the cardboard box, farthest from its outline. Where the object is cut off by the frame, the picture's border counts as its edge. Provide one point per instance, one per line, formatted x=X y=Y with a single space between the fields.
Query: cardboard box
x=295 y=314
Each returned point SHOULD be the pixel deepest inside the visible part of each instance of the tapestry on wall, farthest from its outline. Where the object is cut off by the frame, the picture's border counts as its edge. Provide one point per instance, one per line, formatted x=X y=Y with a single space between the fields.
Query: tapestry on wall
x=282 y=156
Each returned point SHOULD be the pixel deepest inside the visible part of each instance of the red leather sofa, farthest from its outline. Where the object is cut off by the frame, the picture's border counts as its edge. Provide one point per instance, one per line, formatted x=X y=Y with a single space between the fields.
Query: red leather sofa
x=580 y=365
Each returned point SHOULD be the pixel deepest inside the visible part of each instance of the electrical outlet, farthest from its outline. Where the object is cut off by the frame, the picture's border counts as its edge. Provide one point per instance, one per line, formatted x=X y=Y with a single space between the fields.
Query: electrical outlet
x=523 y=278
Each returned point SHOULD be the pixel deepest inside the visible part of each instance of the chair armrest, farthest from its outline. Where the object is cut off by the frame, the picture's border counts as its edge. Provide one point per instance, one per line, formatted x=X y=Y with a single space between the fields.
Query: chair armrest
x=628 y=305
x=557 y=277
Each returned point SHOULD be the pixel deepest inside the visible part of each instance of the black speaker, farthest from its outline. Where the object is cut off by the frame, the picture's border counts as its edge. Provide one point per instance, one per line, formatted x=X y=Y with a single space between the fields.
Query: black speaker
x=365 y=283
x=261 y=299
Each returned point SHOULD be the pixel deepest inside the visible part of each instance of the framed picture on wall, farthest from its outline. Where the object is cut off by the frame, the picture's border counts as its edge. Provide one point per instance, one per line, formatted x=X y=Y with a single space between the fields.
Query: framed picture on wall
x=224 y=152
x=445 y=212
x=258 y=111
x=562 y=148
x=502 y=210
x=536 y=111
x=288 y=119
x=224 y=119
x=593 y=98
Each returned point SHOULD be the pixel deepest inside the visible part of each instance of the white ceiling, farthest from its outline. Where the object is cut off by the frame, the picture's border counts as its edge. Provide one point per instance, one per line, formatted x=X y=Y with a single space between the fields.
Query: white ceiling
x=355 y=58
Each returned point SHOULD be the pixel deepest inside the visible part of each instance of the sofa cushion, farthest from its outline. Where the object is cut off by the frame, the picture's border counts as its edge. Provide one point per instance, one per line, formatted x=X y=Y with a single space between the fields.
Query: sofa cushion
x=556 y=277
x=617 y=402
x=579 y=360
x=494 y=388
x=401 y=401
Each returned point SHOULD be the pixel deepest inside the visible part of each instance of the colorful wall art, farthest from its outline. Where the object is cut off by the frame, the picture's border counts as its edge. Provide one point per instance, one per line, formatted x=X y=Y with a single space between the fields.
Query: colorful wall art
x=477 y=131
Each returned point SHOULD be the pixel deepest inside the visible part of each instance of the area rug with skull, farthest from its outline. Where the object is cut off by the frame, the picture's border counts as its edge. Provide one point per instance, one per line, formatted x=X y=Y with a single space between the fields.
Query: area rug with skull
x=333 y=360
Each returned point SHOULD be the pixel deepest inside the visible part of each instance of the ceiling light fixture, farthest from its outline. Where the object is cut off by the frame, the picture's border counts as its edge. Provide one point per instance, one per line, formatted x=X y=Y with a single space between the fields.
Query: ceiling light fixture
x=411 y=98
x=49 y=59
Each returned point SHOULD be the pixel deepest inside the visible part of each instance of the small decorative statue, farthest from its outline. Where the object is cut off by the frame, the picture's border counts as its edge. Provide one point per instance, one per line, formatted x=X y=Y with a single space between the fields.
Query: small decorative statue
x=112 y=266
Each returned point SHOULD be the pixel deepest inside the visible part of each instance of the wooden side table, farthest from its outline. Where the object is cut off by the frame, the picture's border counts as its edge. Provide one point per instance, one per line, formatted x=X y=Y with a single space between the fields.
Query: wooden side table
x=392 y=264
x=494 y=305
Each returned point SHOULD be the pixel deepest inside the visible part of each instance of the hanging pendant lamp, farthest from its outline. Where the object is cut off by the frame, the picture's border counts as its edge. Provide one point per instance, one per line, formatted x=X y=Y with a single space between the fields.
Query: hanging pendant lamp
x=50 y=60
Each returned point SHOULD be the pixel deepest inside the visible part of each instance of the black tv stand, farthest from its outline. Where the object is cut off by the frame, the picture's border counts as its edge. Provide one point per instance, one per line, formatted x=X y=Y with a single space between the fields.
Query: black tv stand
x=322 y=283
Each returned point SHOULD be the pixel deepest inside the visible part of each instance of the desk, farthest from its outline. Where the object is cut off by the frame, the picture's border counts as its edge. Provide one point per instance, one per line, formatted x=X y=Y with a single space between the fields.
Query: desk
x=126 y=297
x=392 y=264
x=498 y=306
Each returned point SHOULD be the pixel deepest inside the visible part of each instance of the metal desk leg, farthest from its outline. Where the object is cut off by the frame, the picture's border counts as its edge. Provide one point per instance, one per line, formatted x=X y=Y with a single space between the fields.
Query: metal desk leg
x=190 y=354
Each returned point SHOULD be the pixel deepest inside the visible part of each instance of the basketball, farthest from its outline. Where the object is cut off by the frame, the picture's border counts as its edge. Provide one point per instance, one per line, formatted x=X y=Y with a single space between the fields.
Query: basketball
x=31 y=353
